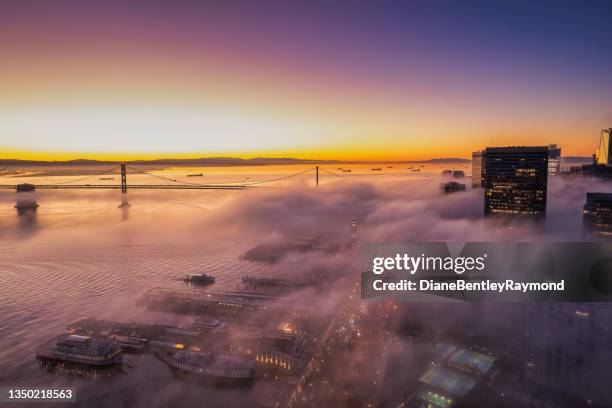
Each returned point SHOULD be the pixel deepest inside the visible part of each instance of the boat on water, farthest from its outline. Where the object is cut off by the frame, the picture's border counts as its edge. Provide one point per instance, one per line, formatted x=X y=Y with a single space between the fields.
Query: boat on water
x=106 y=178
x=416 y=169
x=196 y=175
x=216 y=367
x=85 y=350
x=377 y=169
x=346 y=170
x=201 y=279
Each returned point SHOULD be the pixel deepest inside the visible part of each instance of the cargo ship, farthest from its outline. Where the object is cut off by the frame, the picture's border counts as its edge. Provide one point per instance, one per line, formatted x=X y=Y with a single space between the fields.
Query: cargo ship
x=202 y=279
x=196 y=175
x=73 y=348
x=218 y=368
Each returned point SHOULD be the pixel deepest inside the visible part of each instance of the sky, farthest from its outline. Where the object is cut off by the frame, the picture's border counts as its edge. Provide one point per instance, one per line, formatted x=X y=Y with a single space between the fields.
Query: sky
x=322 y=80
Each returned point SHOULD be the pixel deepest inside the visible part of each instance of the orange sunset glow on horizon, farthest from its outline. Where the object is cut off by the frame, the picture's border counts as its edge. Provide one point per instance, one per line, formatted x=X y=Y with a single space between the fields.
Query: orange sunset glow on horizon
x=218 y=81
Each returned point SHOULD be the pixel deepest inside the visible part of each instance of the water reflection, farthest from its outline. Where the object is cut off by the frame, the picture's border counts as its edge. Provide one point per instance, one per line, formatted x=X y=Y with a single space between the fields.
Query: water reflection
x=27 y=217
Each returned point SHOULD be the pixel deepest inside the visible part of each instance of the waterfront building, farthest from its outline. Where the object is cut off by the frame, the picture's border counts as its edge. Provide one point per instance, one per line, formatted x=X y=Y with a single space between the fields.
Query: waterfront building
x=282 y=349
x=516 y=181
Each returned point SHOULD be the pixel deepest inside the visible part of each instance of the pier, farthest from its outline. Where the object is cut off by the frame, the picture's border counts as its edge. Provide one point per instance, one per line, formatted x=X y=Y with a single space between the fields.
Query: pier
x=227 y=304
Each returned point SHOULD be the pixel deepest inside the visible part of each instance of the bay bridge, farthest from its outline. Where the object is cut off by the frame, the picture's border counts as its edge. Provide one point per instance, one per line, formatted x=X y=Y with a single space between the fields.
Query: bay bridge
x=122 y=176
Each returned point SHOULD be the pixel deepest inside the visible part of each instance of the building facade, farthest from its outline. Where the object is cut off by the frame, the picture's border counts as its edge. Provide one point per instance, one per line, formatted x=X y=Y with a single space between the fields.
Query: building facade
x=516 y=181
x=597 y=215
x=569 y=351
x=554 y=159
x=477 y=169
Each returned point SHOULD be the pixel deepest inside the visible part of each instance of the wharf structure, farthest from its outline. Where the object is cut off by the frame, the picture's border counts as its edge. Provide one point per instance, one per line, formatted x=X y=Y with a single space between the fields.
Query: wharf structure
x=226 y=304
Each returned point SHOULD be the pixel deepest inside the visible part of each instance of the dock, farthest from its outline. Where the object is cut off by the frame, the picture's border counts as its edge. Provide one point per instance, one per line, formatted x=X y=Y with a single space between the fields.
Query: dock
x=225 y=304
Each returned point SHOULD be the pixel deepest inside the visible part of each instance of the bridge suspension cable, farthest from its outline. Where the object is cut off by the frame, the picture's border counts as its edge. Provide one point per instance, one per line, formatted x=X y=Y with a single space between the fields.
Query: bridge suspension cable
x=280 y=178
x=334 y=173
x=165 y=178
x=108 y=171
x=244 y=183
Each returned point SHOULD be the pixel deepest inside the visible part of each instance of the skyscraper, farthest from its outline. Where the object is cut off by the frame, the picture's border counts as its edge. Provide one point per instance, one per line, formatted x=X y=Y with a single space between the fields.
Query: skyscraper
x=597 y=215
x=604 y=157
x=554 y=159
x=516 y=181
x=477 y=169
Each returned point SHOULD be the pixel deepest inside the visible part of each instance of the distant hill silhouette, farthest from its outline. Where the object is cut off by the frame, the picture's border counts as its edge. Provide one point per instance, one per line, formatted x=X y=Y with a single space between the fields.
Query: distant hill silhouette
x=209 y=161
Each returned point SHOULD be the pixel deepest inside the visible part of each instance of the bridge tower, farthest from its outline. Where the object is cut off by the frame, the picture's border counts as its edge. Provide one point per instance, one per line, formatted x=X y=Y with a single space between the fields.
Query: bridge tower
x=124 y=198
x=123 y=180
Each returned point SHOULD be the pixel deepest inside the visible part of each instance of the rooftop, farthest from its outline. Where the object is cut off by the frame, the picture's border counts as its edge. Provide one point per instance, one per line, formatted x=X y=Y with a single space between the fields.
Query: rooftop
x=75 y=338
x=472 y=359
x=449 y=381
x=435 y=400
x=443 y=350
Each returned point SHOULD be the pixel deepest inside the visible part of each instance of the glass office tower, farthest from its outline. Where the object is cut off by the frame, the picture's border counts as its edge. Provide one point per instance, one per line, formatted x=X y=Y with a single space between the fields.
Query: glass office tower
x=516 y=181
